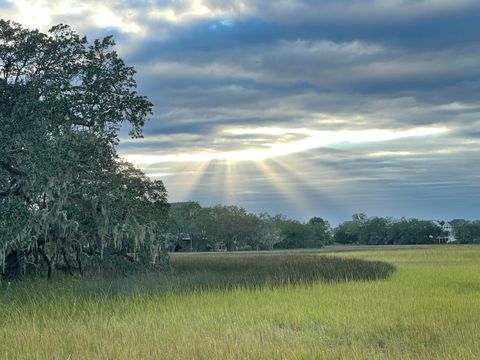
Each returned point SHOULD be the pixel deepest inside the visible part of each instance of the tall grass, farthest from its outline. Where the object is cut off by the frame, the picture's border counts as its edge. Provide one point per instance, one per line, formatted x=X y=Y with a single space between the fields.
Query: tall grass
x=260 y=269
x=193 y=272
x=428 y=309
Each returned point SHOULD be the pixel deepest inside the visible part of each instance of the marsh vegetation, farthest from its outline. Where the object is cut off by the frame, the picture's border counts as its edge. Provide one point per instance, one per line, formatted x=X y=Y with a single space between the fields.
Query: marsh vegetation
x=428 y=308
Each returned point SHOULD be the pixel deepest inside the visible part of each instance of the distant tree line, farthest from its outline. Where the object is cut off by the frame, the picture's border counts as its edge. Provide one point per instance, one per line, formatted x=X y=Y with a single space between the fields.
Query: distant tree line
x=389 y=231
x=233 y=228
x=386 y=231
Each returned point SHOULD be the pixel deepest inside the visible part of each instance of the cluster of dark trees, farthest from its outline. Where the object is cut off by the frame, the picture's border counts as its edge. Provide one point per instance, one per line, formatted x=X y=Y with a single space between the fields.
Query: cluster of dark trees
x=233 y=228
x=467 y=232
x=66 y=198
x=385 y=230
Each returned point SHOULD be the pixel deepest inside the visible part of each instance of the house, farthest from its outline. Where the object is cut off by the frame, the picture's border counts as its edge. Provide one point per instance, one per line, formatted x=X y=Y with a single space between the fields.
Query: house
x=449 y=236
x=183 y=243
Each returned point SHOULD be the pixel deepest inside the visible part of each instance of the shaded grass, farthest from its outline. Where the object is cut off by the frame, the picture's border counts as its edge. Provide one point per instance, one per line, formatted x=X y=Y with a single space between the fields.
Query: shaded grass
x=204 y=271
x=260 y=269
x=428 y=309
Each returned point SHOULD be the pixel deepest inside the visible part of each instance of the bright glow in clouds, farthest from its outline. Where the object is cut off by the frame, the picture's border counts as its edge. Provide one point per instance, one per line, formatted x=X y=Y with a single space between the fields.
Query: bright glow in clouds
x=200 y=9
x=34 y=14
x=196 y=9
x=43 y=14
x=313 y=139
x=104 y=17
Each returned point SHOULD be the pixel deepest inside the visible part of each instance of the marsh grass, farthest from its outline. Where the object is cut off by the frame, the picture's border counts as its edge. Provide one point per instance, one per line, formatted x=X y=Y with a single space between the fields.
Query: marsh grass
x=265 y=269
x=203 y=271
x=429 y=308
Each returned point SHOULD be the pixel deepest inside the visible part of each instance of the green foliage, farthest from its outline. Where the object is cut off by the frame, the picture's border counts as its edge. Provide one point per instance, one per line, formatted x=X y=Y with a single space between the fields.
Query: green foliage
x=467 y=232
x=379 y=231
x=270 y=235
x=233 y=228
x=62 y=102
x=322 y=230
x=296 y=235
x=413 y=231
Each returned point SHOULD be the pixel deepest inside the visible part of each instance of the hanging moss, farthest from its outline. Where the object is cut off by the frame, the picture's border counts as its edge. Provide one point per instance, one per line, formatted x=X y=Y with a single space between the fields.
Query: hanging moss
x=65 y=196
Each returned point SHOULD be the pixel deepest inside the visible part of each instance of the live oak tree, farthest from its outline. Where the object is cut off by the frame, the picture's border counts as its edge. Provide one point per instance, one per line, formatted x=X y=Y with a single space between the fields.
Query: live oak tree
x=65 y=196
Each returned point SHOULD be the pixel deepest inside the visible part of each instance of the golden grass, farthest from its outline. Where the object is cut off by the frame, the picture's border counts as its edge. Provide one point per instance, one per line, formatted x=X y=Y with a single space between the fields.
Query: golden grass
x=428 y=309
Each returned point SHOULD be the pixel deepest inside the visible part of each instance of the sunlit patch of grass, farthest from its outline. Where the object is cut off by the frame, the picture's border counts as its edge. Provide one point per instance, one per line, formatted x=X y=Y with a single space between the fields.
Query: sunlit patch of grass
x=428 y=309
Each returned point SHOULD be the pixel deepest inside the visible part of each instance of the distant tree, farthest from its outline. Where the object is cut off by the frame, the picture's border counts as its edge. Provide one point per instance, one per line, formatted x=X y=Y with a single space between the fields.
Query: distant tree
x=343 y=234
x=322 y=230
x=413 y=231
x=375 y=231
x=297 y=235
x=359 y=217
x=350 y=232
x=270 y=234
x=236 y=228
x=467 y=232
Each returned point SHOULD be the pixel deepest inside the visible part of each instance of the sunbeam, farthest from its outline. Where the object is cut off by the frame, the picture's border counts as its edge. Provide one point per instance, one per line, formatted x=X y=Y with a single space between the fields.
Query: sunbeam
x=283 y=187
x=184 y=178
x=230 y=187
x=307 y=182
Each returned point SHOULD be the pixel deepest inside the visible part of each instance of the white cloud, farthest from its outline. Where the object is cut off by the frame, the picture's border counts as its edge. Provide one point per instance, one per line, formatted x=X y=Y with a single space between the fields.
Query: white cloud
x=43 y=14
x=105 y=17
x=186 y=11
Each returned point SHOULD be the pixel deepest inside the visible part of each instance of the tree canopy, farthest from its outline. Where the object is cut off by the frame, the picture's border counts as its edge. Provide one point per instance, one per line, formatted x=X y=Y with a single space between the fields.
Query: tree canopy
x=386 y=231
x=65 y=195
x=234 y=228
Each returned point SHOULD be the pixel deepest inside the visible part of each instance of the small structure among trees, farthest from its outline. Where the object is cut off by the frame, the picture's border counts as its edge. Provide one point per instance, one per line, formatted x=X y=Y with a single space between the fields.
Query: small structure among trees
x=448 y=235
x=183 y=243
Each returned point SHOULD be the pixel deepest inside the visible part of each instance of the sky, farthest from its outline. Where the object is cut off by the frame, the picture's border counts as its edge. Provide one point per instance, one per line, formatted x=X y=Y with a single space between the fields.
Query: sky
x=306 y=108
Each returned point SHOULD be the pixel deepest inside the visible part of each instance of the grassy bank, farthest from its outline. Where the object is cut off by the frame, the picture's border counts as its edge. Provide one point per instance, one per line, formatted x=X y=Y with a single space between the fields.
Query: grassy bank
x=429 y=308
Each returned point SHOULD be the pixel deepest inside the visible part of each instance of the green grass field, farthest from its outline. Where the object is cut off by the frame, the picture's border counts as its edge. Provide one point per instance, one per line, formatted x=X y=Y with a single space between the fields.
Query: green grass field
x=429 y=308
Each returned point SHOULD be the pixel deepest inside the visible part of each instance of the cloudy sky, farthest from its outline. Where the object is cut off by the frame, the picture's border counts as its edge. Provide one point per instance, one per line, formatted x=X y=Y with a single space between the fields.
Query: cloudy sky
x=301 y=107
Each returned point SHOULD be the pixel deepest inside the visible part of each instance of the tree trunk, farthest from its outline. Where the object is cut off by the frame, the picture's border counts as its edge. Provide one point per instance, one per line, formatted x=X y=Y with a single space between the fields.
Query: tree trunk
x=49 y=263
x=65 y=258
x=79 y=261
